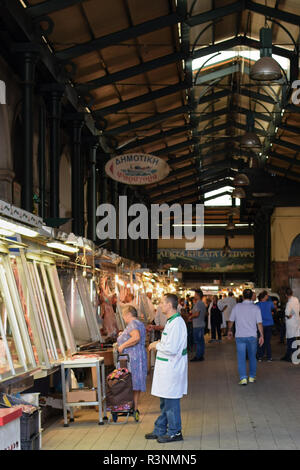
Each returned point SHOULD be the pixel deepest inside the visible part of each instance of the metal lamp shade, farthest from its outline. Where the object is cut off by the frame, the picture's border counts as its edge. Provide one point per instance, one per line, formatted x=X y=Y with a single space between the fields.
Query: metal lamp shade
x=234 y=211
x=241 y=180
x=230 y=226
x=250 y=141
x=238 y=193
x=266 y=69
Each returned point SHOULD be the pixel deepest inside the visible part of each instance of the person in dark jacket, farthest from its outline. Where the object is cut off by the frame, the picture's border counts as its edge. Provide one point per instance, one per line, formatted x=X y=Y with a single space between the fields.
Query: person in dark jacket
x=215 y=320
x=266 y=307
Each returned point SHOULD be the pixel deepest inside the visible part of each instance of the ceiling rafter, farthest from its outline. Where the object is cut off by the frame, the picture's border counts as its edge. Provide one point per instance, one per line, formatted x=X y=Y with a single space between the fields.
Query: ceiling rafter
x=285 y=143
x=184 y=158
x=185 y=200
x=289 y=128
x=119 y=37
x=215 y=196
x=131 y=72
x=243 y=91
x=174 y=174
x=154 y=95
x=158 y=136
x=283 y=158
x=150 y=120
x=50 y=6
x=239 y=6
x=273 y=12
x=176 y=147
x=207 y=187
x=216 y=96
x=172 y=58
x=215 y=13
x=193 y=178
x=221 y=180
x=275 y=169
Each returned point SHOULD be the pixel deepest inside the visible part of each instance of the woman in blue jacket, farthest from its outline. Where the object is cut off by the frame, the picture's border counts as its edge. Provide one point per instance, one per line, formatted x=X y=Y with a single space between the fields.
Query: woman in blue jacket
x=266 y=307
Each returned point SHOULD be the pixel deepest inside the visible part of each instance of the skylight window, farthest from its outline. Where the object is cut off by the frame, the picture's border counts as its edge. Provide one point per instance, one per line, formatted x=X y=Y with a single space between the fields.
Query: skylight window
x=224 y=56
x=224 y=200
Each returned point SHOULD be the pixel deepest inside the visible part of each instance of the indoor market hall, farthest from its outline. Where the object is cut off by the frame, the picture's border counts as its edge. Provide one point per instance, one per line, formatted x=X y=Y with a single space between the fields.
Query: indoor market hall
x=149 y=228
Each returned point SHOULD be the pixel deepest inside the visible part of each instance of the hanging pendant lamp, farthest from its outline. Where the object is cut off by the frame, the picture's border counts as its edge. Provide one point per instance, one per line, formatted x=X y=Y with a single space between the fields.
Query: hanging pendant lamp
x=266 y=68
x=234 y=211
x=241 y=180
x=226 y=249
x=230 y=226
x=238 y=193
x=250 y=141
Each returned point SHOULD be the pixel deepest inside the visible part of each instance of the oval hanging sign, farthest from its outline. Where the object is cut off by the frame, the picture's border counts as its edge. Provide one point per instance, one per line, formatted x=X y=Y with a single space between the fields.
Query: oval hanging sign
x=137 y=168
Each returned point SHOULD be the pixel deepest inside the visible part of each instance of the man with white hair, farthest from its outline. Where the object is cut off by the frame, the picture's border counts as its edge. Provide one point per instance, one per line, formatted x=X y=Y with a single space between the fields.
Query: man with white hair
x=292 y=322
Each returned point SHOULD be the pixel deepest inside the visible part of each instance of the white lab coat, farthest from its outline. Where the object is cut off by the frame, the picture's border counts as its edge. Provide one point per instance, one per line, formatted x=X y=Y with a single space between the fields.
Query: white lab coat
x=170 y=371
x=292 y=324
x=229 y=302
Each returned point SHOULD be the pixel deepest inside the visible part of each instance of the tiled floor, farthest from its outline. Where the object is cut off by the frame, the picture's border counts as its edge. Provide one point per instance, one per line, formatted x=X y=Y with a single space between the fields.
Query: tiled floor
x=216 y=414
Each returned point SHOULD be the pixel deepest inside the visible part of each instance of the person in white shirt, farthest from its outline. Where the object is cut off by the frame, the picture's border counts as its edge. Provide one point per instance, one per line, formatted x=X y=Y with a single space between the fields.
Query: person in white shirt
x=292 y=322
x=160 y=322
x=227 y=305
x=222 y=306
x=170 y=373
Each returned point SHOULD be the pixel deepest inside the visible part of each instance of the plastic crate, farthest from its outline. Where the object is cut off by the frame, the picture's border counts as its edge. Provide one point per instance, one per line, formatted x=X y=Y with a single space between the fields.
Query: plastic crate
x=29 y=425
x=29 y=422
x=31 y=444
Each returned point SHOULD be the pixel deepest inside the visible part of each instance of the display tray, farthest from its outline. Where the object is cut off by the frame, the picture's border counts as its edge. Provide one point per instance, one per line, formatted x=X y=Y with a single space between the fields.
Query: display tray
x=106 y=354
x=6 y=384
x=86 y=346
x=93 y=346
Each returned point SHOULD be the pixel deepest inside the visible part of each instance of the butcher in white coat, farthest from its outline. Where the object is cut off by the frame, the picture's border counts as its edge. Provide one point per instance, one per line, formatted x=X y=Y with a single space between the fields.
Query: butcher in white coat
x=170 y=373
x=292 y=322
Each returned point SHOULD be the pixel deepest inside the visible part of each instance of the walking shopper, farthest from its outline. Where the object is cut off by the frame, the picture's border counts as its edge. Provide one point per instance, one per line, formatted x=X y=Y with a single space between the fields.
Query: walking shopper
x=227 y=305
x=132 y=342
x=247 y=318
x=279 y=320
x=292 y=323
x=170 y=373
x=266 y=307
x=215 y=316
x=198 y=318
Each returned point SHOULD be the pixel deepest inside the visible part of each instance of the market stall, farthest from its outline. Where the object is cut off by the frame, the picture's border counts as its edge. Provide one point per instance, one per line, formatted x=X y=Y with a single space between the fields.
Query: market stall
x=17 y=348
x=78 y=294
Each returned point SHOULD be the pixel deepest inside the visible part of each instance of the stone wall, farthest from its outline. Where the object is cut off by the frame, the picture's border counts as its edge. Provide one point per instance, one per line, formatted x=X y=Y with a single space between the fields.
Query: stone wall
x=279 y=275
x=11 y=150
